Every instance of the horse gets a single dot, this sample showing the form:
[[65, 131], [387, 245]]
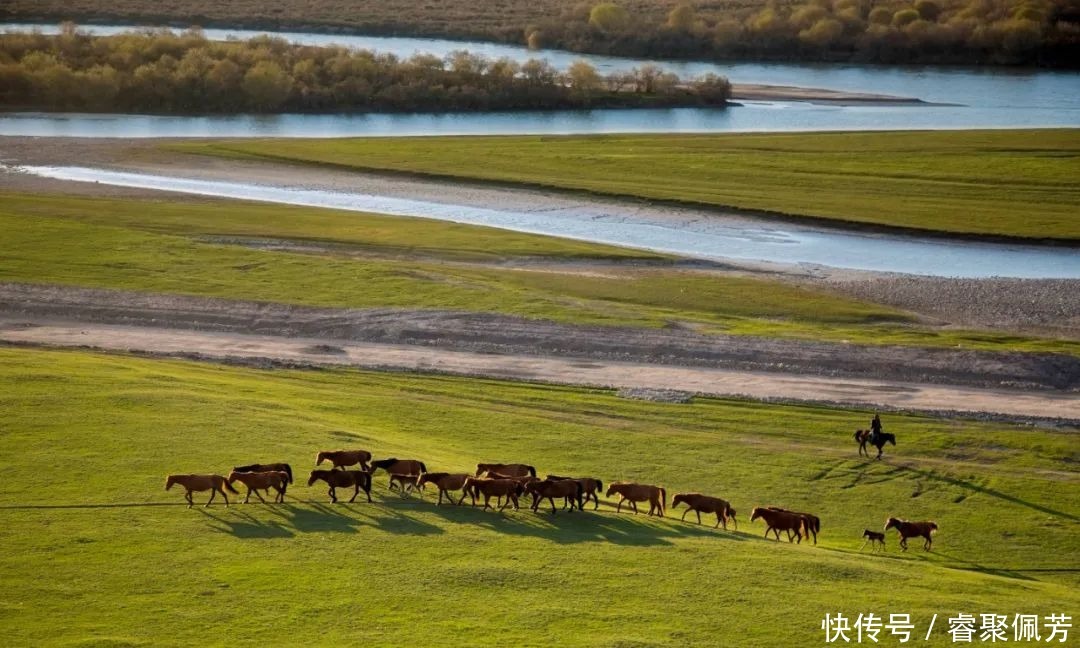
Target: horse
[[276, 479], [777, 521], [511, 470], [567, 489], [399, 466], [874, 538], [813, 522], [403, 480], [912, 530], [699, 504], [863, 437], [198, 483], [635, 493], [284, 467], [590, 487], [342, 458], [342, 479], [446, 482], [495, 488]]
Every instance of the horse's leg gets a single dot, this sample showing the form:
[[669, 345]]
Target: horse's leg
[[698, 516], [356, 491], [333, 495], [552, 500], [596, 500], [926, 545], [187, 496], [256, 495], [683, 518], [619, 507], [634, 504], [213, 492]]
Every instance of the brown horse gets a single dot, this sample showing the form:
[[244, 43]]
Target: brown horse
[[198, 483], [284, 467], [510, 470], [276, 479], [777, 521], [343, 479], [342, 458], [874, 538], [912, 530], [489, 488], [566, 489], [634, 493], [446, 482], [590, 487], [399, 466], [813, 522], [699, 504]]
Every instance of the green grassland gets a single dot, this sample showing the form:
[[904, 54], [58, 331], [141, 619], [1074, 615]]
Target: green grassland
[[96, 553], [1002, 183], [381, 261]]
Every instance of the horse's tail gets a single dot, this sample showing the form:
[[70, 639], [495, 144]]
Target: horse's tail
[[599, 486], [228, 485], [532, 471], [288, 471], [663, 500]]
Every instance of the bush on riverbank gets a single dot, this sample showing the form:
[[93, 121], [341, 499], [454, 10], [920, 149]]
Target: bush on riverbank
[[165, 72], [978, 31]]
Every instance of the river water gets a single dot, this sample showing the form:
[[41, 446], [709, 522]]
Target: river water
[[678, 231], [987, 98]]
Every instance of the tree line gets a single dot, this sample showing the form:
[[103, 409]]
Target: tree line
[[1043, 32], [184, 73]]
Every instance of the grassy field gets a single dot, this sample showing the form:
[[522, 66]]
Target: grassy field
[[101, 555], [379, 261], [1002, 183]]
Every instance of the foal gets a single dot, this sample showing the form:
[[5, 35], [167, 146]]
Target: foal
[[874, 538], [198, 483]]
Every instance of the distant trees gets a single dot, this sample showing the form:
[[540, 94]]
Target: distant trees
[[166, 72], [971, 31]]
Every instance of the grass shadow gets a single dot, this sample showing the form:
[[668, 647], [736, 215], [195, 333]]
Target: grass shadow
[[316, 517]]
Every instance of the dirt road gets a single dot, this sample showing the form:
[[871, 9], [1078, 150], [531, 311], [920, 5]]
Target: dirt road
[[258, 349]]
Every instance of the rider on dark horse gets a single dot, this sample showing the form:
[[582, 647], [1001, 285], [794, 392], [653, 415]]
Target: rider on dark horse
[[875, 428]]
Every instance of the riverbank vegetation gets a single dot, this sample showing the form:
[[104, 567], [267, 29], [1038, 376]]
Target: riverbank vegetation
[[326, 258], [184, 73], [1006, 500], [1002, 183], [1040, 32]]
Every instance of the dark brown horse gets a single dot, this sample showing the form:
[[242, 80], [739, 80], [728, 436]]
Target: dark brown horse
[[447, 482], [276, 479], [863, 437], [813, 522], [399, 467], [912, 530], [342, 458], [343, 479], [509, 488], [511, 470], [634, 493], [548, 489], [699, 504], [591, 487], [777, 521], [284, 467], [199, 483]]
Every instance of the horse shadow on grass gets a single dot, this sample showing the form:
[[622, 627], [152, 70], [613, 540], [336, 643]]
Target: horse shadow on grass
[[983, 490], [244, 525], [578, 527]]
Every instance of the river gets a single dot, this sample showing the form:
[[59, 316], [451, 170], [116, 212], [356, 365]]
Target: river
[[985, 98], [677, 231]]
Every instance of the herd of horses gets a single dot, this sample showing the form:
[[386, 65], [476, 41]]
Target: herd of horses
[[507, 484]]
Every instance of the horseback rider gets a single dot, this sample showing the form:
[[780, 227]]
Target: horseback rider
[[875, 429]]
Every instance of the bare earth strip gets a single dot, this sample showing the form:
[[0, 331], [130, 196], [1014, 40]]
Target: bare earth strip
[[720, 382]]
